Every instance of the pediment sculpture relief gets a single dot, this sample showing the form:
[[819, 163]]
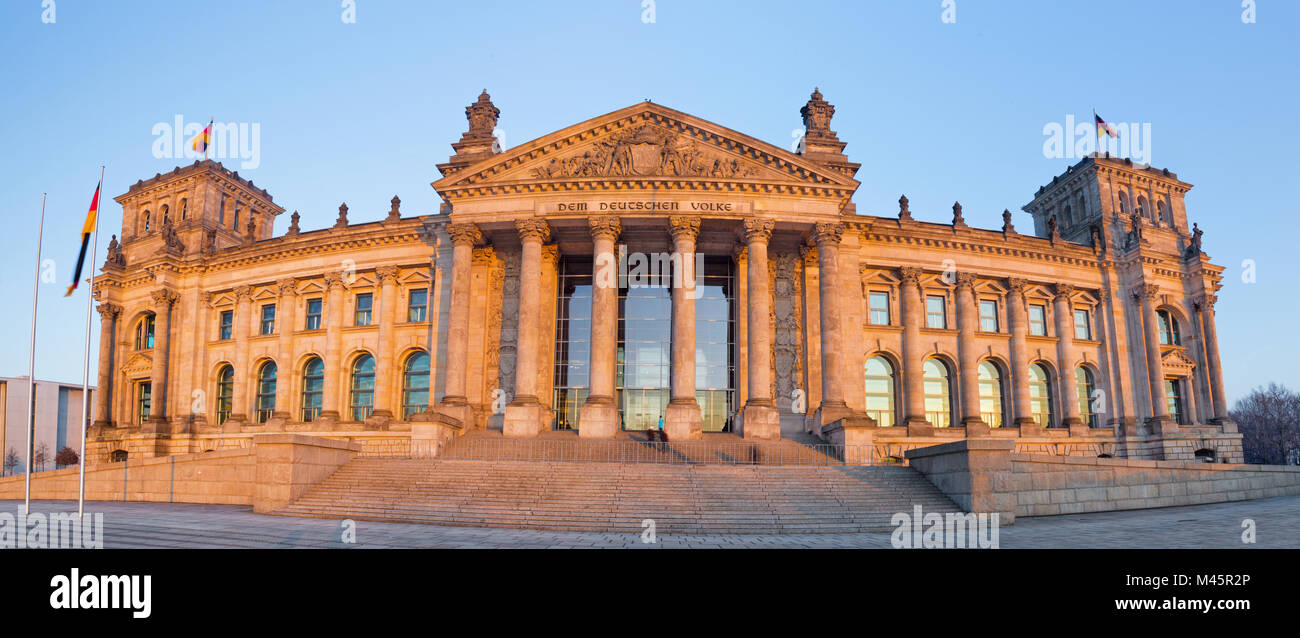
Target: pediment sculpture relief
[[644, 151]]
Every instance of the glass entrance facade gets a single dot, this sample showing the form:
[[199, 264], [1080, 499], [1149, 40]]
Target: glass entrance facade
[[643, 364]]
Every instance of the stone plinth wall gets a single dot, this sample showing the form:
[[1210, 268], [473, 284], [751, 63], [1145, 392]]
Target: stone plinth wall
[[1047, 485], [273, 470], [219, 477], [985, 475]]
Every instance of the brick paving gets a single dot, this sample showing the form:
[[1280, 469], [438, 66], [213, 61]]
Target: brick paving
[[161, 525]]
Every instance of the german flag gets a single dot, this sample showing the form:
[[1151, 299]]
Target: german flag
[[201, 141], [86, 230], [1103, 128]]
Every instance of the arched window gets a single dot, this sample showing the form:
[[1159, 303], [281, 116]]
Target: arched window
[[990, 386], [415, 385], [1168, 329], [166, 213], [363, 388], [880, 390], [185, 207], [144, 333], [1142, 208], [1162, 211], [118, 456], [1040, 395], [1085, 386], [313, 388], [147, 219], [1068, 215], [266, 391], [1123, 201], [225, 393], [938, 394]]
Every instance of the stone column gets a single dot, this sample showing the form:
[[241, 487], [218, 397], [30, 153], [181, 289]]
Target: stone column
[[331, 407], [1214, 368], [683, 420], [598, 416], [968, 356], [239, 405], [454, 407], [1018, 319], [913, 353], [386, 368], [285, 363], [162, 329], [760, 419], [1064, 311], [1146, 295], [109, 313], [833, 407], [524, 413]]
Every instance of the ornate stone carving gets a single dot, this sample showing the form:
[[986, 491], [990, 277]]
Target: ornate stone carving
[[394, 213], [1206, 301], [242, 292], [1007, 227], [787, 362], [1063, 291], [342, 221], [957, 219], [643, 151], [605, 227], [109, 311], [250, 234], [171, 241], [904, 213], [482, 116], [828, 234], [293, 224], [684, 227], [809, 255], [1194, 244], [909, 276], [1017, 286], [1051, 229], [1146, 291], [115, 258], [334, 279], [757, 229], [287, 286], [533, 229], [386, 274], [965, 280], [464, 234], [162, 299], [817, 114], [509, 329]]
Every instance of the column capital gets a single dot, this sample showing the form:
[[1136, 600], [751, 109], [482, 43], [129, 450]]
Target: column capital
[[335, 279], [550, 254], [1016, 285], [605, 227], [1063, 292], [758, 229], [464, 234], [910, 275], [287, 286], [681, 227], [965, 280], [242, 292], [386, 274], [826, 234], [1146, 291], [108, 310], [533, 229], [808, 254], [163, 298], [1206, 301]]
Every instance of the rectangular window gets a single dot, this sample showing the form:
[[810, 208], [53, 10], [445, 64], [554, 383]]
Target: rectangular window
[[144, 391], [1174, 397], [1038, 320], [313, 314], [1082, 324], [879, 308], [227, 324], [988, 315], [935, 317], [268, 319], [362, 317], [417, 306]]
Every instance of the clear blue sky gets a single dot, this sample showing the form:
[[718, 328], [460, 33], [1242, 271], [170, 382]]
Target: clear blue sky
[[942, 112]]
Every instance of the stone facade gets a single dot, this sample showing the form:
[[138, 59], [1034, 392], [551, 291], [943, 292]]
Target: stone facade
[[1112, 282]]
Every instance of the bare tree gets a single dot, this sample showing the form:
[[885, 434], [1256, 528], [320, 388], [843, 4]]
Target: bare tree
[[1269, 421], [41, 456], [66, 456], [11, 461]]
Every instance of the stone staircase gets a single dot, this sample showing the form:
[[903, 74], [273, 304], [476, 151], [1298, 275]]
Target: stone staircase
[[616, 497]]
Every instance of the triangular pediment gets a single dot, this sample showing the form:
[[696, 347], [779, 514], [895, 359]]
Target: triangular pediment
[[138, 364], [1176, 361], [645, 144]]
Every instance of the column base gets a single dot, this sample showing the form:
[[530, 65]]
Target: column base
[[1161, 425], [453, 410], [598, 418], [1029, 427], [828, 413], [1077, 426], [918, 426], [523, 417], [1228, 425], [379, 420], [760, 420], [975, 426], [683, 420]]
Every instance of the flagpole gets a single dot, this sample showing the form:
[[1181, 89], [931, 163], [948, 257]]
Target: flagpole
[[85, 372], [31, 367]]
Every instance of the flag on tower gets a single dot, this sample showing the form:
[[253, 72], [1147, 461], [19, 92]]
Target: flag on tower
[[1102, 127], [203, 140], [86, 230]]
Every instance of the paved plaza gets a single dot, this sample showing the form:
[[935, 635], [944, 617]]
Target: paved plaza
[[162, 525]]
